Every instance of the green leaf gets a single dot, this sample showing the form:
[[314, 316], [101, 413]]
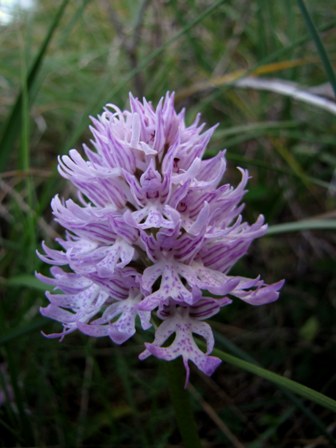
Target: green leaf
[[300, 226], [279, 380], [27, 281]]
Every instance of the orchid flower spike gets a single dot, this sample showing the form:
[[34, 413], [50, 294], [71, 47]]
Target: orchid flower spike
[[152, 237]]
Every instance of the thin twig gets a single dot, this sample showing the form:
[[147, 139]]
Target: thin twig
[[216, 419]]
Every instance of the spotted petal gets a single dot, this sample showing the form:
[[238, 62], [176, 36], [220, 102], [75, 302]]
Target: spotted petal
[[184, 345]]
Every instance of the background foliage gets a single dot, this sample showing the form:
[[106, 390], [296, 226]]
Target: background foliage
[[61, 62]]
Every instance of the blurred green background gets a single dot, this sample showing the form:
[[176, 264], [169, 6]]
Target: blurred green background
[[265, 73]]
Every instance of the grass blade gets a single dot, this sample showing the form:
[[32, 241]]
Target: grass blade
[[234, 76], [27, 281], [299, 389], [318, 43], [25, 155], [13, 124], [300, 226]]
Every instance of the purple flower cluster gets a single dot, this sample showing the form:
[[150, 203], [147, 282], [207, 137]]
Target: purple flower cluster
[[153, 236]]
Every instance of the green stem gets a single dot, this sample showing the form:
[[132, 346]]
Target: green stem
[[279, 380], [181, 402]]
